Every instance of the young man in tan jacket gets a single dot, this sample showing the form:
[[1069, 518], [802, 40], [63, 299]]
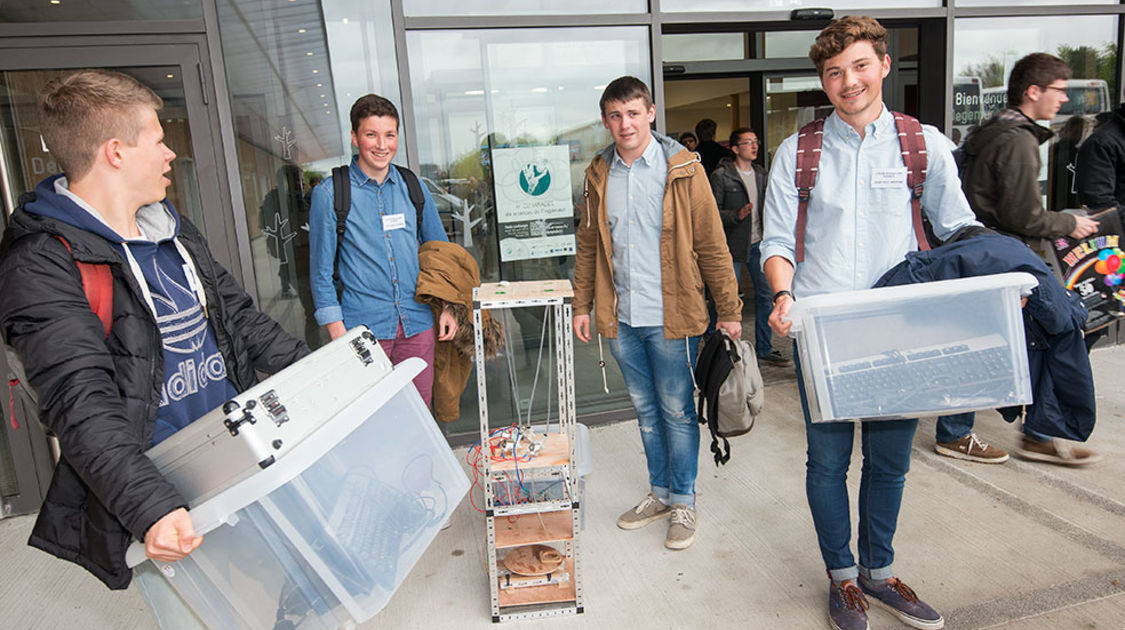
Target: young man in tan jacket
[[650, 236]]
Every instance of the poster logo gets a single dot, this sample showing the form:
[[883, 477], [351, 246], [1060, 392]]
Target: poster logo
[[535, 178]]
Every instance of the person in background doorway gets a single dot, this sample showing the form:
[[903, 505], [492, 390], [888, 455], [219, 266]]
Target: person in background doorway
[[739, 186], [710, 152], [643, 281], [689, 140], [1100, 169]]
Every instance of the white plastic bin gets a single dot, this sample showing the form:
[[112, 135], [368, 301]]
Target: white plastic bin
[[923, 349], [325, 535]]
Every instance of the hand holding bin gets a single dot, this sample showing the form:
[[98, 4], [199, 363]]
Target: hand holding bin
[[324, 535], [926, 349]]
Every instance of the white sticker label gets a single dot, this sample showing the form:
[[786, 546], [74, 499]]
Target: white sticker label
[[398, 221], [888, 177]]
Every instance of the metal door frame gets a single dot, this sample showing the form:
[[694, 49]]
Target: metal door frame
[[189, 53]]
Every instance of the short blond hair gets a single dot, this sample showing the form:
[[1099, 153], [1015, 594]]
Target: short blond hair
[[845, 31], [80, 111]]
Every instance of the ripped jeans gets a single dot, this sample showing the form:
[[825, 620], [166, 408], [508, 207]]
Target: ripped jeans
[[658, 375]]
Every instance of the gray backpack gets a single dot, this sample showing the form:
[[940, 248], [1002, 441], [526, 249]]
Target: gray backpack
[[730, 387]]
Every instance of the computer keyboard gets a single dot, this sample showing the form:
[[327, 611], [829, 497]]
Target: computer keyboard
[[372, 521], [929, 379]]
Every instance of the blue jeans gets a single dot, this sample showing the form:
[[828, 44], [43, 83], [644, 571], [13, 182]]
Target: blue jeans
[[763, 301], [886, 459], [658, 375], [957, 426]]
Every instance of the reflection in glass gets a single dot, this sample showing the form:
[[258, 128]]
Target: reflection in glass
[[421, 8], [842, 7], [479, 91], [985, 51], [291, 100], [101, 11], [704, 46], [29, 162]]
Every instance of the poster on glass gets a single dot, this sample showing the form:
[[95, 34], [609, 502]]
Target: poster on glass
[[534, 209]]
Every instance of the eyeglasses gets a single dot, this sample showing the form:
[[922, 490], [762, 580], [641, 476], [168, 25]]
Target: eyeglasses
[[1060, 90], [746, 143]]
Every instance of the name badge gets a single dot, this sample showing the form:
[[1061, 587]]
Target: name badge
[[396, 221], [888, 177]]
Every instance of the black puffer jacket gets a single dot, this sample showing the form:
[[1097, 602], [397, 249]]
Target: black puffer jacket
[[100, 396], [1100, 171], [1002, 181]]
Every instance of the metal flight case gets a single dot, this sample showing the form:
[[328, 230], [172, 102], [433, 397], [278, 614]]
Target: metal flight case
[[253, 430]]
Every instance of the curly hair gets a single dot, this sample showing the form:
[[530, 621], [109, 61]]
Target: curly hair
[[845, 31]]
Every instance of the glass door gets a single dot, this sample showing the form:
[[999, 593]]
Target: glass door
[[173, 72]]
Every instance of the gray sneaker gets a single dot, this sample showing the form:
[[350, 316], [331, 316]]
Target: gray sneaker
[[650, 509], [681, 531]]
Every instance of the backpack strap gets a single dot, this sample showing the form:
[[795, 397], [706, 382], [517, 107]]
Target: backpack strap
[[97, 282], [342, 193], [711, 371], [912, 142], [414, 188], [809, 141]]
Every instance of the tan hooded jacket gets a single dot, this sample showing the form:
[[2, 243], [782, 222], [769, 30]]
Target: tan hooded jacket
[[693, 249]]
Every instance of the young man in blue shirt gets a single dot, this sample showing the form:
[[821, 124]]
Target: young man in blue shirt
[[378, 264], [859, 226]]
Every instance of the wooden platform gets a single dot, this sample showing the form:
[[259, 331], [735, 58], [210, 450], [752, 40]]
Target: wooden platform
[[530, 529], [546, 594], [556, 452], [531, 290]]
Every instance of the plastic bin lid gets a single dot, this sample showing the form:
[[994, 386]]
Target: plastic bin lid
[[800, 309], [212, 513]]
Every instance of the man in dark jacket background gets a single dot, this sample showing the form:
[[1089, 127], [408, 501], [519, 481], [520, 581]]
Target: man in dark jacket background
[[1100, 170], [183, 336], [710, 152], [739, 186], [1002, 186]]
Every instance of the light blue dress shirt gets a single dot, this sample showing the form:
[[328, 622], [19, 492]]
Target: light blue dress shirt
[[856, 231], [635, 204], [378, 269]]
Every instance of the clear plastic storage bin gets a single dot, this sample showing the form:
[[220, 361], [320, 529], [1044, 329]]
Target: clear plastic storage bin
[[908, 351], [323, 537]]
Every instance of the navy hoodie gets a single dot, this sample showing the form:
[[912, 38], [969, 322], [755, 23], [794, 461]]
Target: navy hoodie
[[195, 374]]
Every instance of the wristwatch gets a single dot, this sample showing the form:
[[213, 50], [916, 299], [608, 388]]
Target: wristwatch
[[777, 296]]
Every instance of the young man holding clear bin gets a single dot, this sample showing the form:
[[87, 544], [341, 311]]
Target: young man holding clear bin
[[859, 225]]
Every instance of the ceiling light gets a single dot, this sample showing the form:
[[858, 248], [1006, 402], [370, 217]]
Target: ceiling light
[[319, 85], [302, 30], [324, 104], [327, 111], [308, 54], [322, 96], [315, 71], [539, 90], [56, 1], [345, 20], [474, 92], [599, 87], [169, 76]]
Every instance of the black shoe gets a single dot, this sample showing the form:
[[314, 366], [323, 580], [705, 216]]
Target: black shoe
[[774, 358]]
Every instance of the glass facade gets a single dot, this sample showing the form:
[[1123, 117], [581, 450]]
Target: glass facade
[[475, 97]]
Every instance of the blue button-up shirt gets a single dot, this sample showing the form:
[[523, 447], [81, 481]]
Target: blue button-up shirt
[[856, 232], [635, 203], [378, 269]]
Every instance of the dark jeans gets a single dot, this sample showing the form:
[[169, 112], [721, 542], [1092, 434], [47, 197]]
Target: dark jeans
[[886, 448]]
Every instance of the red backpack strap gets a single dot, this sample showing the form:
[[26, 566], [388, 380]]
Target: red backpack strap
[[809, 140], [913, 145], [97, 282]]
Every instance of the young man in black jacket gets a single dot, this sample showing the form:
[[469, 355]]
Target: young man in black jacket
[[1100, 170], [183, 336]]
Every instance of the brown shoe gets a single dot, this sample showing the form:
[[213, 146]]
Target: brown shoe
[[1056, 451], [973, 449]]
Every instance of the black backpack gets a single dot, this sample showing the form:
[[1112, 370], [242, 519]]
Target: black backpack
[[731, 392], [342, 186]]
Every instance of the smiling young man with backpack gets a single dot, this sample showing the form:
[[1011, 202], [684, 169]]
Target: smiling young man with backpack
[[857, 216], [364, 245]]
